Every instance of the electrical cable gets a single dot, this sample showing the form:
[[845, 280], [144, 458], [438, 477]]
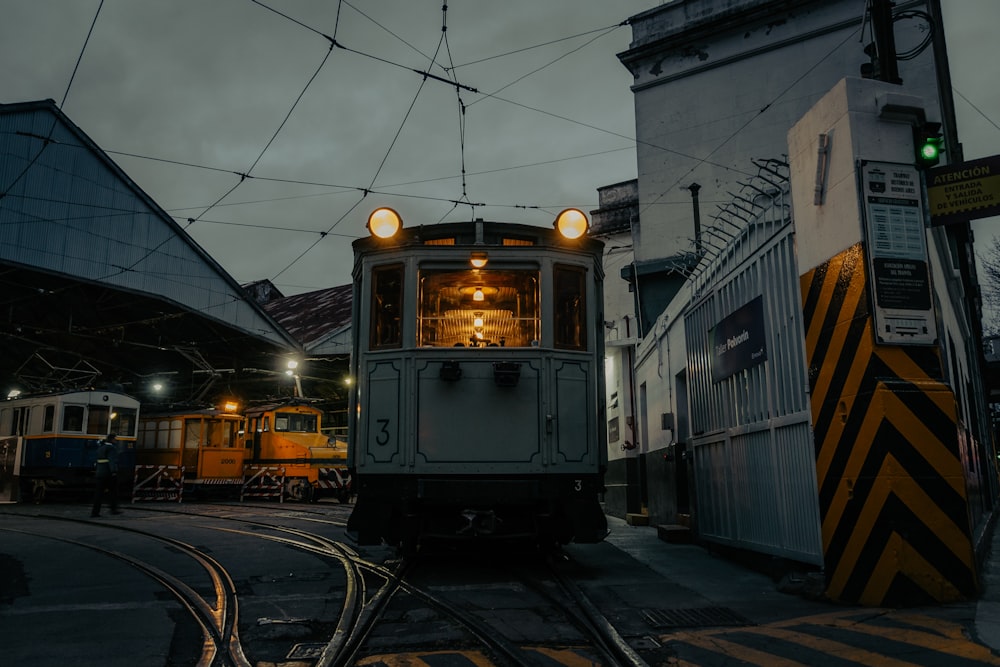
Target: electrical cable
[[978, 110], [537, 46], [757, 115], [79, 58], [912, 53]]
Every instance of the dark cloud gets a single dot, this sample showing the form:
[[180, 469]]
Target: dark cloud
[[209, 83]]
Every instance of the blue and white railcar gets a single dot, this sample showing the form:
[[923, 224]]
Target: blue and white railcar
[[478, 402], [54, 437]]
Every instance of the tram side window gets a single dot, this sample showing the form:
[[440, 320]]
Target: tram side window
[[49, 418], [570, 287], [98, 418], [219, 433], [124, 421], [192, 433], [147, 435], [387, 307], [21, 420], [72, 418]]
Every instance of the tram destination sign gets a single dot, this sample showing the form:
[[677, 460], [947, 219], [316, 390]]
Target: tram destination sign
[[965, 191]]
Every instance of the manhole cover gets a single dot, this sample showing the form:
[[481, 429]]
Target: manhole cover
[[701, 617]]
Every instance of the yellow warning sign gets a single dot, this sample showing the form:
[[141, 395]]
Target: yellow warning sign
[[965, 191]]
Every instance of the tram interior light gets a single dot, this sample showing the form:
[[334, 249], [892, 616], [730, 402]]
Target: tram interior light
[[384, 222], [572, 223]]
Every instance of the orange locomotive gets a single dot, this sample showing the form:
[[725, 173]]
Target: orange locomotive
[[221, 447], [289, 435]]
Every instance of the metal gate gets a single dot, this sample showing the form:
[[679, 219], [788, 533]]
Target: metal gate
[[752, 446]]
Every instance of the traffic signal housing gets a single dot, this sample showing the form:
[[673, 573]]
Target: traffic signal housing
[[927, 144]]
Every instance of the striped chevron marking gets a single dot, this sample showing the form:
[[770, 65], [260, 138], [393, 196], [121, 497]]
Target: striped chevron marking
[[862, 637], [891, 486]]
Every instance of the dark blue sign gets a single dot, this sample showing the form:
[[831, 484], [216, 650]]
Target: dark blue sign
[[738, 341]]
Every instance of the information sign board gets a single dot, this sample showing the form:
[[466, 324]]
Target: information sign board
[[738, 341], [964, 191], [899, 276]]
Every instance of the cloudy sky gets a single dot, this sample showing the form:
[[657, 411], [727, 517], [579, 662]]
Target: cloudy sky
[[525, 97]]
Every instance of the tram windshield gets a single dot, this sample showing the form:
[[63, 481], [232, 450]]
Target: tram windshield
[[296, 422], [478, 308]]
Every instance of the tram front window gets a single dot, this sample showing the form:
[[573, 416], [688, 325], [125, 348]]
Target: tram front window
[[294, 422], [478, 308]]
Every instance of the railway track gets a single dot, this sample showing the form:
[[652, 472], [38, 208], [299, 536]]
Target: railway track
[[217, 618], [376, 595]]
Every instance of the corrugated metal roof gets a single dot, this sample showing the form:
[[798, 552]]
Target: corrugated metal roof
[[313, 316], [69, 209], [99, 284]]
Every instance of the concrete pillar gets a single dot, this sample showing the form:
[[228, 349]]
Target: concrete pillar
[[892, 496]]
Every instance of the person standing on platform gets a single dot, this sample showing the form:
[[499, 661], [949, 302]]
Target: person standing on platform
[[106, 475]]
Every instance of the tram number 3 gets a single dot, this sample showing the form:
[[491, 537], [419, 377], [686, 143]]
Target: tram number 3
[[382, 436], [578, 485]]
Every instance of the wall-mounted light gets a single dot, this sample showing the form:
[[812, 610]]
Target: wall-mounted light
[[478, 294]]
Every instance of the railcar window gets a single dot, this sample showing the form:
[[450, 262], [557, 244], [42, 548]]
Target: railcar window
[[192, 434], [478, 308], [98, 417], [387, 307], [220, 433], [49, 418], [570, 288], [147, 435], [295, 422], [21, 420], [124, 421], [72, 418]]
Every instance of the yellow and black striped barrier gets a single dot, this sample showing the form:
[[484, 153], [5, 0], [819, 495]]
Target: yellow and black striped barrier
[[892, 493]]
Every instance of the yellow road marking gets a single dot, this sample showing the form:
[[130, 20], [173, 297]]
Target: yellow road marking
[[716, 644]]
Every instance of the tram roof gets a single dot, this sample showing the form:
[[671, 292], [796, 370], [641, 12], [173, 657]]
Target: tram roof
[[97, 280]]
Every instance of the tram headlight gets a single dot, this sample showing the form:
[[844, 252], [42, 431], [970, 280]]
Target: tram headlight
[[384, 222], [572, 223]]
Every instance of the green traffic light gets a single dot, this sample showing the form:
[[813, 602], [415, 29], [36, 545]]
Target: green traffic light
[[930, 151]]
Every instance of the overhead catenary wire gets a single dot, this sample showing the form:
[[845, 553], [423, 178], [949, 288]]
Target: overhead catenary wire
[[48, 138]]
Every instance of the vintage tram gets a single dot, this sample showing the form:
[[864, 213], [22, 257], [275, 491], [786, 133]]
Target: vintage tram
[[51, 439], [202, 444], [219, 449], [478, 401]]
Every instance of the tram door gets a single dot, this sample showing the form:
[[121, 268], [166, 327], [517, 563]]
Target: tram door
[[257, 427]]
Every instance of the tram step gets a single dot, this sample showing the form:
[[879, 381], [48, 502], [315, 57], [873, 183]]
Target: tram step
[[674, 533]]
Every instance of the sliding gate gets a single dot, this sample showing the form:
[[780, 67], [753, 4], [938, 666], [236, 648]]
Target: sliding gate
[[753, 454]]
